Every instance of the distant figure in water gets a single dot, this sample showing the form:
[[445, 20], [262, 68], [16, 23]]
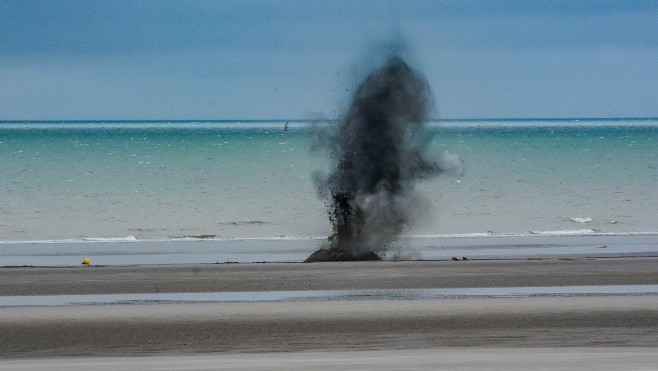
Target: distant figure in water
[[285, 127]]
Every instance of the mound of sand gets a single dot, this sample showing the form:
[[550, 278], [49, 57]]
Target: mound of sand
[[339, 255]]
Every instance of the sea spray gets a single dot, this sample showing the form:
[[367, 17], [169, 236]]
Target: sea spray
[[377, 157]]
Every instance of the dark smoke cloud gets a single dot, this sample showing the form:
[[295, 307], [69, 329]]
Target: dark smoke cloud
[[377, 156]]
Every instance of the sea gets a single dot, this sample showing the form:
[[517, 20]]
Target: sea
[[138, 190]]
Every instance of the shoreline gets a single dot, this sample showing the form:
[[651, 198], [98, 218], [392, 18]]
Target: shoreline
[[210, 251]]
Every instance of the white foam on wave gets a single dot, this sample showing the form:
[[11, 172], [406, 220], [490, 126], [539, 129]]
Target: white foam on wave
[[110, 239], [581, 220], [564, 232], [32, 242], [73, 240]]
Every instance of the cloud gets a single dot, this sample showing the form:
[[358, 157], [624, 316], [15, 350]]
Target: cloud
[[160, 59]]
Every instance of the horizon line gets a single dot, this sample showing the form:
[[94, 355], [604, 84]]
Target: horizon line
[[307, 120]]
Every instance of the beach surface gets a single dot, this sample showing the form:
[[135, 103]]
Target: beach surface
[[452, 358], [466, 332], [327, 276]]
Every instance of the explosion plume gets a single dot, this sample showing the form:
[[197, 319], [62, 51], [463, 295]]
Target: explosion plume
[[369, 193]]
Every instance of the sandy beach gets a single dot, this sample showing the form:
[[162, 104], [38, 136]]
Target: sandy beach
[[448, 358], [319, 328], [327, 276]]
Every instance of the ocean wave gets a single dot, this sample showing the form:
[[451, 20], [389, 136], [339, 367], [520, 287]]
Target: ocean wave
[[110, 239], [133, 239], [246, 222], [564, 232], [73, 240], [567, 232], [581, 220]]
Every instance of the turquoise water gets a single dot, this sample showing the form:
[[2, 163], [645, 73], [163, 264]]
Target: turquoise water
[[164, 180]]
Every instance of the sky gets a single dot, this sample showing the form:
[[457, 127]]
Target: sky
[[247, 59]]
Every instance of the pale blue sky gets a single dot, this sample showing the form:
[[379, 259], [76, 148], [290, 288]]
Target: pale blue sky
[[295, 59]]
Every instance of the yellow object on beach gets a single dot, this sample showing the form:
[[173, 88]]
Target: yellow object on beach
[[85, 261]]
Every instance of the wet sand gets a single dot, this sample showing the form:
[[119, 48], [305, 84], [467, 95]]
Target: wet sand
[[327, 276], [334, 325], [328, 326], [452, 358]]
